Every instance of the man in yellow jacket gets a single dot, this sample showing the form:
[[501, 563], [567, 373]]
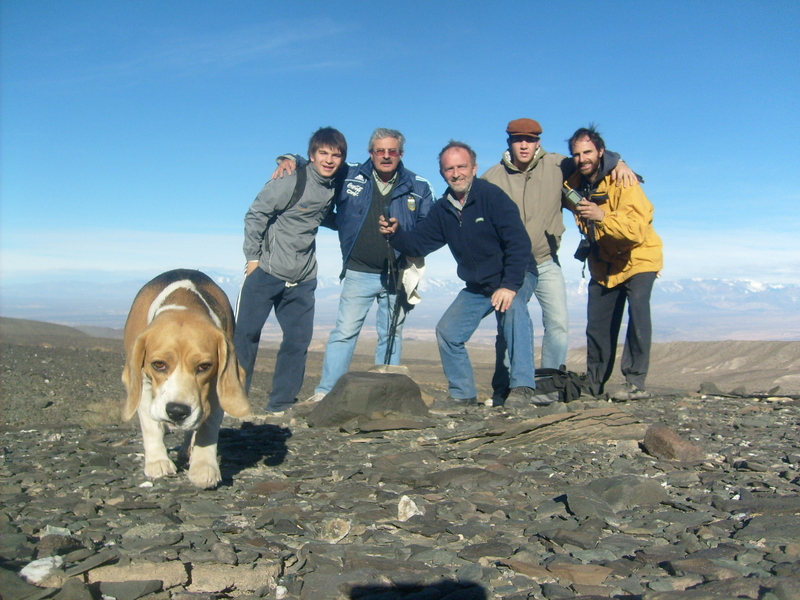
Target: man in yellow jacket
[[625, 256]]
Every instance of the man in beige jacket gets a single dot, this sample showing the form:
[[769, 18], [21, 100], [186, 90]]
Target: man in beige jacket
[[533, 178]]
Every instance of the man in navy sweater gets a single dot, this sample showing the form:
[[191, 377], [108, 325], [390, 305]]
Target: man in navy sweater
[[482, 227]]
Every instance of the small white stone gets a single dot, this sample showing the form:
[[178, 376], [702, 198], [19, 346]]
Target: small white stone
[[50, 530], [407, 508], [39, 569]]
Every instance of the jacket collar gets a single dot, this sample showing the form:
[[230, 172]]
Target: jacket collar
[[314, 175], [448, 198], [508, 163]]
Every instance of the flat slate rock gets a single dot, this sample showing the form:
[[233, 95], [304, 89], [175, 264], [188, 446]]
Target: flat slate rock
[[363, 393]]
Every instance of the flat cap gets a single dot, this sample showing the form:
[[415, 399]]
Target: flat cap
[[524, 127]]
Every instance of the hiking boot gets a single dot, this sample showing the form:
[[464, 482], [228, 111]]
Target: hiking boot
[[462, 401], [520, 397], [630, 391], [450, 401]]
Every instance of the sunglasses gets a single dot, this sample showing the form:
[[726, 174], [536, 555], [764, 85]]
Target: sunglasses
[[381, 151], [531, 139]]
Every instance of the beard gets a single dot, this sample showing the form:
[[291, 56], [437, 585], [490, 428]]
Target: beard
[[589, 169], [462, 185]]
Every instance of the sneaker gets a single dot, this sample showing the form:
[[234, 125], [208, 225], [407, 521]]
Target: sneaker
[[317, 397], [520, 397], [270, 414], [630, 392]]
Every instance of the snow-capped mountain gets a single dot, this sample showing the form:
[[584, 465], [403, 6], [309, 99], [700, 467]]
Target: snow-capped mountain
[[685, 309]]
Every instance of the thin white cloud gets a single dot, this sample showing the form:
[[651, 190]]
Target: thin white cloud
[[275, 43], [273, 47]]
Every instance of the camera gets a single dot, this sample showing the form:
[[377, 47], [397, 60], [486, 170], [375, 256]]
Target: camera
[[583, 250]]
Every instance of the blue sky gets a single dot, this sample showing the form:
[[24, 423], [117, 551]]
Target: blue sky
[[136, 134]]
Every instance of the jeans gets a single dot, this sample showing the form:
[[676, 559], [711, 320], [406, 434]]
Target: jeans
[[605, 309], [359, 291], [294, 309], [458, 324], [551, 292]]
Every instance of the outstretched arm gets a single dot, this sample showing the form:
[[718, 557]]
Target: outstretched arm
[[426, 237], [286, 167], [623, 175], [287, 163]]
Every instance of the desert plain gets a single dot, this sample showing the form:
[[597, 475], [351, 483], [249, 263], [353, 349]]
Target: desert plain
[[691, 494]]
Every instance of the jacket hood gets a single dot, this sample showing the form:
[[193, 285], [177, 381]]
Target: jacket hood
[[607, 163]]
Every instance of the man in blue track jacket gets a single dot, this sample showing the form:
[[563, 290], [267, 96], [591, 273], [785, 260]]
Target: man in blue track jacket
[[371, 268]]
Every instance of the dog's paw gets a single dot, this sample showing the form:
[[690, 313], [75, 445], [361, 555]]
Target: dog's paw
[[205, 475], [159, 468]]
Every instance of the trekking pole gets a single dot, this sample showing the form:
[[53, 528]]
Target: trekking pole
[[394, 280], [398, 300]]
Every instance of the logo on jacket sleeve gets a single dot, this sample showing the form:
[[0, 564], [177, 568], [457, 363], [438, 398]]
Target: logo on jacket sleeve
[[411, 203]]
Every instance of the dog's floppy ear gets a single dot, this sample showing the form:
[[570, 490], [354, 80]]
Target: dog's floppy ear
[[230, 381], [132, 377]]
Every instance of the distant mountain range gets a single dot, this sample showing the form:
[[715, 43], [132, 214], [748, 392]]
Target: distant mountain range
[[683, 310]]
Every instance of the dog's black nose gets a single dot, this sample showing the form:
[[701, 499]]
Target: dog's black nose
[[177, 412]]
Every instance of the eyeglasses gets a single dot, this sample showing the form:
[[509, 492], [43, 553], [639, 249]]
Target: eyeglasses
[[381, 151]]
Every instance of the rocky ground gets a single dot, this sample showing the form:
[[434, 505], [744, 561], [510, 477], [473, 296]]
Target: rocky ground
[[683, 496]]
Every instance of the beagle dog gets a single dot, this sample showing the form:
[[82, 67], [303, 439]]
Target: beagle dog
[[181, 371]]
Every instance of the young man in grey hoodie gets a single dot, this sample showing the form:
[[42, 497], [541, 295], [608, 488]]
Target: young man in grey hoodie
[[280, 229]]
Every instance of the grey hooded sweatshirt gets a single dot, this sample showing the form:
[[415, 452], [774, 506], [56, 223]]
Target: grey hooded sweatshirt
[[284, 241]]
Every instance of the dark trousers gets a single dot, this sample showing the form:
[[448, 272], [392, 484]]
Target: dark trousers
[[294, 309], [604, 319]]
